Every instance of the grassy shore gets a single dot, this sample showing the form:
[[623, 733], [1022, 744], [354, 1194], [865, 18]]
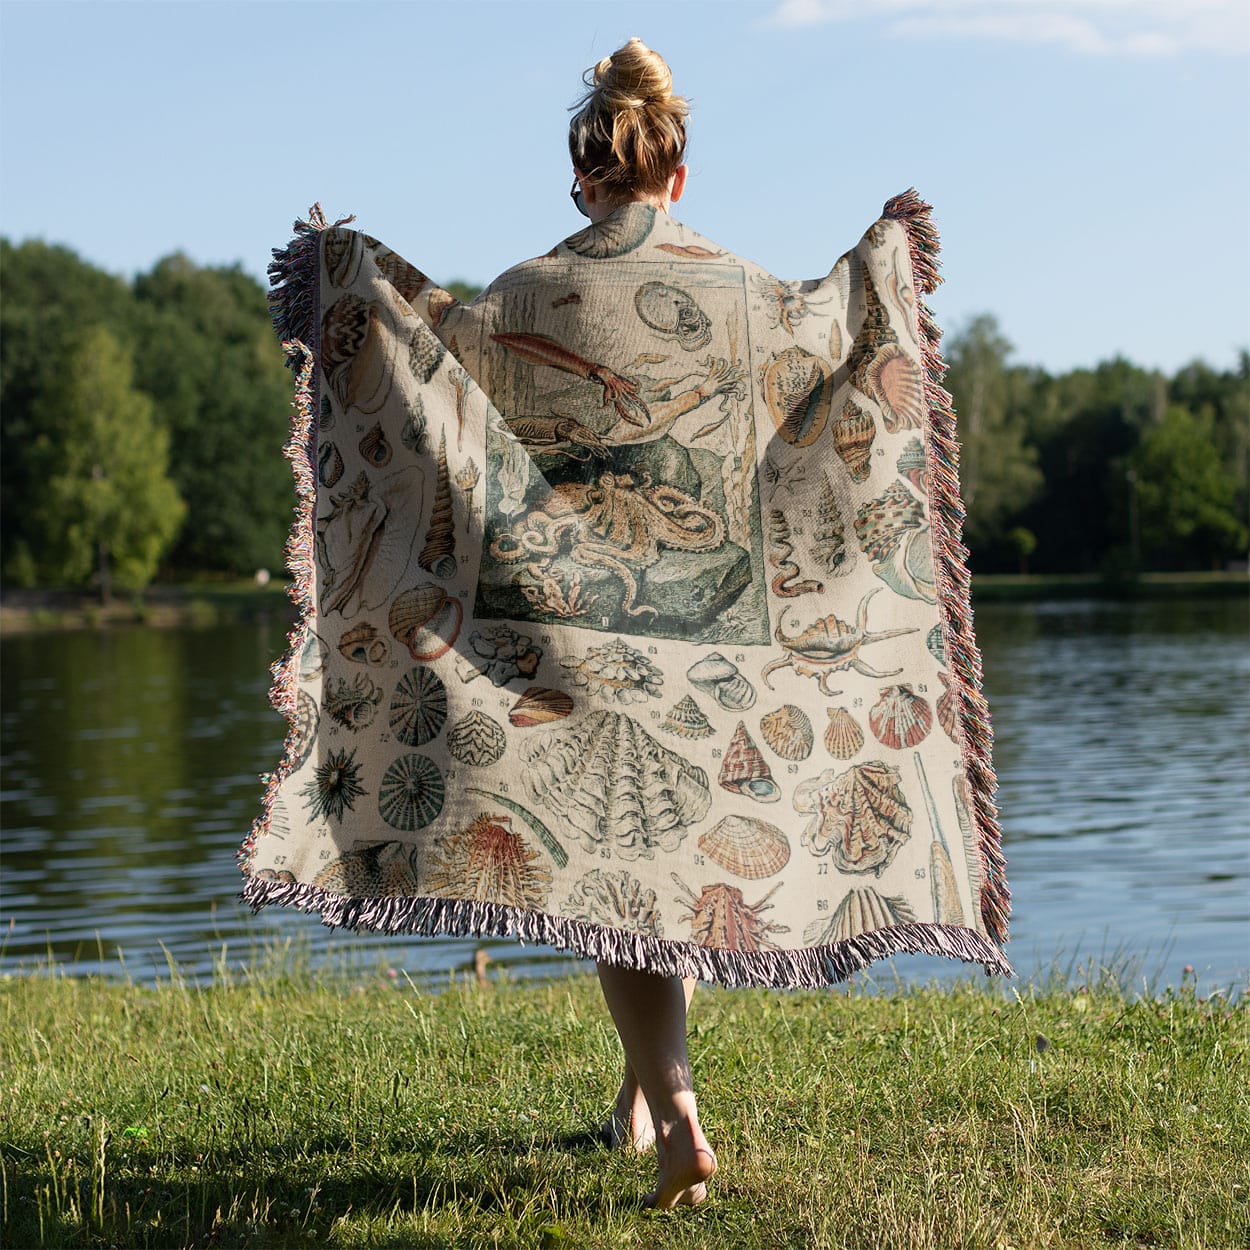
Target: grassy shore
[[293, 1110]]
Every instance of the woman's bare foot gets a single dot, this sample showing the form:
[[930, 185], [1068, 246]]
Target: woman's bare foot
[[686, 1164], [629, 1126]]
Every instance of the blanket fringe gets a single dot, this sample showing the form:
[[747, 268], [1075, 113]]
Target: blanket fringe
[[951, 564]]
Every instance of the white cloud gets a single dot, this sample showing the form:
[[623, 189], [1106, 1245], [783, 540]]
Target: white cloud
[[1136, 28]]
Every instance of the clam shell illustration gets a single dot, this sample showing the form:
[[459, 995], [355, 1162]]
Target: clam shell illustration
[[720, 917], [798, 389], [412, 792], [374, 450], [329, 464], [489, 862], [746, 847], [617, 900], [303, 732], [477, 740], [426, 619], [362, 644], [860, 911], [893, 379], [723, 682], [370, 870], [843, 735], [744, 770], [539, 706], [686, 719], [900, 717], [353, 703], [619, 789], [853, 434], [894, 534], [617, 671], [788, 731], [861, 816], [418, 707]]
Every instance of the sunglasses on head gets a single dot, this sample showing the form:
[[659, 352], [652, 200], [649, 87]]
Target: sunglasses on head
[[576, 196]]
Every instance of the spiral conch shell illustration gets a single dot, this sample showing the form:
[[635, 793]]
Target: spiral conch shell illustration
[[894, 534], [861, 815], [798, 389]]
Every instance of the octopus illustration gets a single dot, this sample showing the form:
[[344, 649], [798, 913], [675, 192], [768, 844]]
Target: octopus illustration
[[619, 523]]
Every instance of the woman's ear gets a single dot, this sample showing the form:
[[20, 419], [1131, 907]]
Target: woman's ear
[[678, 185]]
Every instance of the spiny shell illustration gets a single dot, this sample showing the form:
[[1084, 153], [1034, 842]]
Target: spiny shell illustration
[[860, 911], [438, 556], [744, 770], [746, 847], [893, 379], [539, 706], [798, 389], [617, 900], [853, 434], [620, 233], [894, 535], [948, 713], [861, 816], [370, 870], [933, 640], [843, 736], [335, 785], [912, 465], [671, 312], [721, 917], [329, 464], [352, 704], [418, 707], [412, 792], [426, 619], [788, 731], [723, 682], [685, 719], [900, 718], [489, 862], [362, 644], [617, 671], [304, 731], [615, 785], [477, 740], [374, 449]]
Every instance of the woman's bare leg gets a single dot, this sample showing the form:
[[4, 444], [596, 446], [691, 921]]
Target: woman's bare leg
[[650, 1015]]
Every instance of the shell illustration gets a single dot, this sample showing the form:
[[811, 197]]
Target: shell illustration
[[912, 465], [893, 379], [933, 640], [370, 870], [539, 706], [425, 353], [407, 280], [623, 792], [972, 851], [344, 250], [312, 657], [467, 476], [721, 917], [620, 233], [784, 585], [426, 619], [438, 556], [352, 703], [853, 433], [944, 889], [374, 449], [860, 911], [829, 549], [894, 534], [745, 771], [671, 312], [329, 464], [477, 740], [685, 719], [900, 718], [947, 711], [489, 863], [617, 900], [367, 382], [335, 786], [798, 389], [362, 644], [723, 682], [860, 815], [843, 736], [418, 707], [873, 334], [501, 654], [788, 731], [343, 329], [304, 732], [412, 435], [746, 847], [325, 419], [616, 671], [412, 792]]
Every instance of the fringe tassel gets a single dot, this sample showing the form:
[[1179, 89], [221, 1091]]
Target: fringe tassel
[[951, 564], [810, 968]]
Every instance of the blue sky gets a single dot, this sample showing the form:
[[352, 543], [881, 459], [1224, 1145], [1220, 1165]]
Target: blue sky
[[1088, 160]]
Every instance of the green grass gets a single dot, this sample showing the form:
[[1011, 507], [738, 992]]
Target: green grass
[[296, 1110]]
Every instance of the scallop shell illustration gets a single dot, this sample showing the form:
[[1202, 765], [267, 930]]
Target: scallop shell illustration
[[893, 379], [744, 770], [304, 731], [843, 736], [418, 707], [362, 644], [720, 917], [746, 847], [723, 682], [798, 389], [329, 464], [900, 718], [370, 870], [489, 862], [425, 353], [685, 719], [860, 815], [619, 789], [374, 449], [477, 740], [947, 712], [788, 731], [438, 556], [853, 433], [671, 312], [933, 640], [539, 706], [894, 534], [343, 251], [352, 704], [617, 671], [860, 911], [615, 899], [912, 465], [426, 619], [412, 792], [617, 235], [412, 435]]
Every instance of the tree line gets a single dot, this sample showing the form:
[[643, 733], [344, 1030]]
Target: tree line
[[142, 423]]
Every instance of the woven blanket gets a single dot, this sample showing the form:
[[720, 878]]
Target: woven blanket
[[634, 615]]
